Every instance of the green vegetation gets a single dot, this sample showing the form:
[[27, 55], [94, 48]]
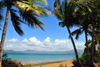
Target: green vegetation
[[96, 57], [8, 62]]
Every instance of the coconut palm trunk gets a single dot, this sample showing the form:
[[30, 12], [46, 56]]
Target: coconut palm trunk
[[3, 35], [87, 50], [76, 53], [92, 46]]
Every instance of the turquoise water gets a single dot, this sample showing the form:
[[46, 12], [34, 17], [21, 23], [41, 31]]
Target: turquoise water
[[26, 58]]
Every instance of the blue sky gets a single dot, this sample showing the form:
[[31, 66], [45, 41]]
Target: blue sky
[[54, 38]]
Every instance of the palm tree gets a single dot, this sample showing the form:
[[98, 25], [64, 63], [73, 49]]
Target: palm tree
[[94, 6], [94, 20], [78, 32], [65, 13], [83, 11], [27, 10]]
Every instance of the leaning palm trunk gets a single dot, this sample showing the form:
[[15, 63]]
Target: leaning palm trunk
[[76, 53], [3, 35], [92, 45], [87, 50]]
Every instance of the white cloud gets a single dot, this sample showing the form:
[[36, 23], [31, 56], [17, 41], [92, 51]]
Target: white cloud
[[47, 45]]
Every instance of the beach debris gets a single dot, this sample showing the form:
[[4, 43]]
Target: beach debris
[[65, 65], [61, 65]]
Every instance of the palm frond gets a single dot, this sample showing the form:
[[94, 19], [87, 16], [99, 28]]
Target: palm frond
[[27, 5], [30, 18], [77, 33], [59, 9], [42, 1], [1, 17], [41, 9], [61, 24], [90, 33], [56, 4], [58, 14], [16, 22], [1, 10], [32, 1], [66, 13]]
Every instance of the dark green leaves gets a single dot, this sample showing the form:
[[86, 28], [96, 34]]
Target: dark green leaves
[[1, 10], [16, 22], [77, 33], [30, 19], [57, 4], [58, 14], [61, 24]]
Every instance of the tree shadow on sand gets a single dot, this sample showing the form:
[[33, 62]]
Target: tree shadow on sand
[[61, 65]]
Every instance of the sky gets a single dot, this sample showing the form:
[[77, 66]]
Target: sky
[[54, 38]]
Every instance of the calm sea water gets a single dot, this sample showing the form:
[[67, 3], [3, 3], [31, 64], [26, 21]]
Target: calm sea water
[[26, 58]]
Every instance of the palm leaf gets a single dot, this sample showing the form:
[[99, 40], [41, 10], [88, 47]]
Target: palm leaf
[[26, 5], [58, 14], [42, 1], [1, 10], [32, 1], [61, 24], [16, 22], [77, 33], [31, 20], [56, 4]]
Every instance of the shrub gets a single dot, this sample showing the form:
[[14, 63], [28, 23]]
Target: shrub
[[7, 62], [96, 58], [5, 59]]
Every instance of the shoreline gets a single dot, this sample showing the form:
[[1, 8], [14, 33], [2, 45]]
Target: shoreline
[[52, 61], [42, 63], [67, 63]]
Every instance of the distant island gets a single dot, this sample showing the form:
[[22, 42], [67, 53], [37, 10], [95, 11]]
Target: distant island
[[12, 51], [44, 52]]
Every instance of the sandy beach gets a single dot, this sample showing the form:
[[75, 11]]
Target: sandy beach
[[63, 63]]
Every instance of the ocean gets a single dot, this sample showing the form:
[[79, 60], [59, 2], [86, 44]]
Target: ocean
[[27, 58]]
